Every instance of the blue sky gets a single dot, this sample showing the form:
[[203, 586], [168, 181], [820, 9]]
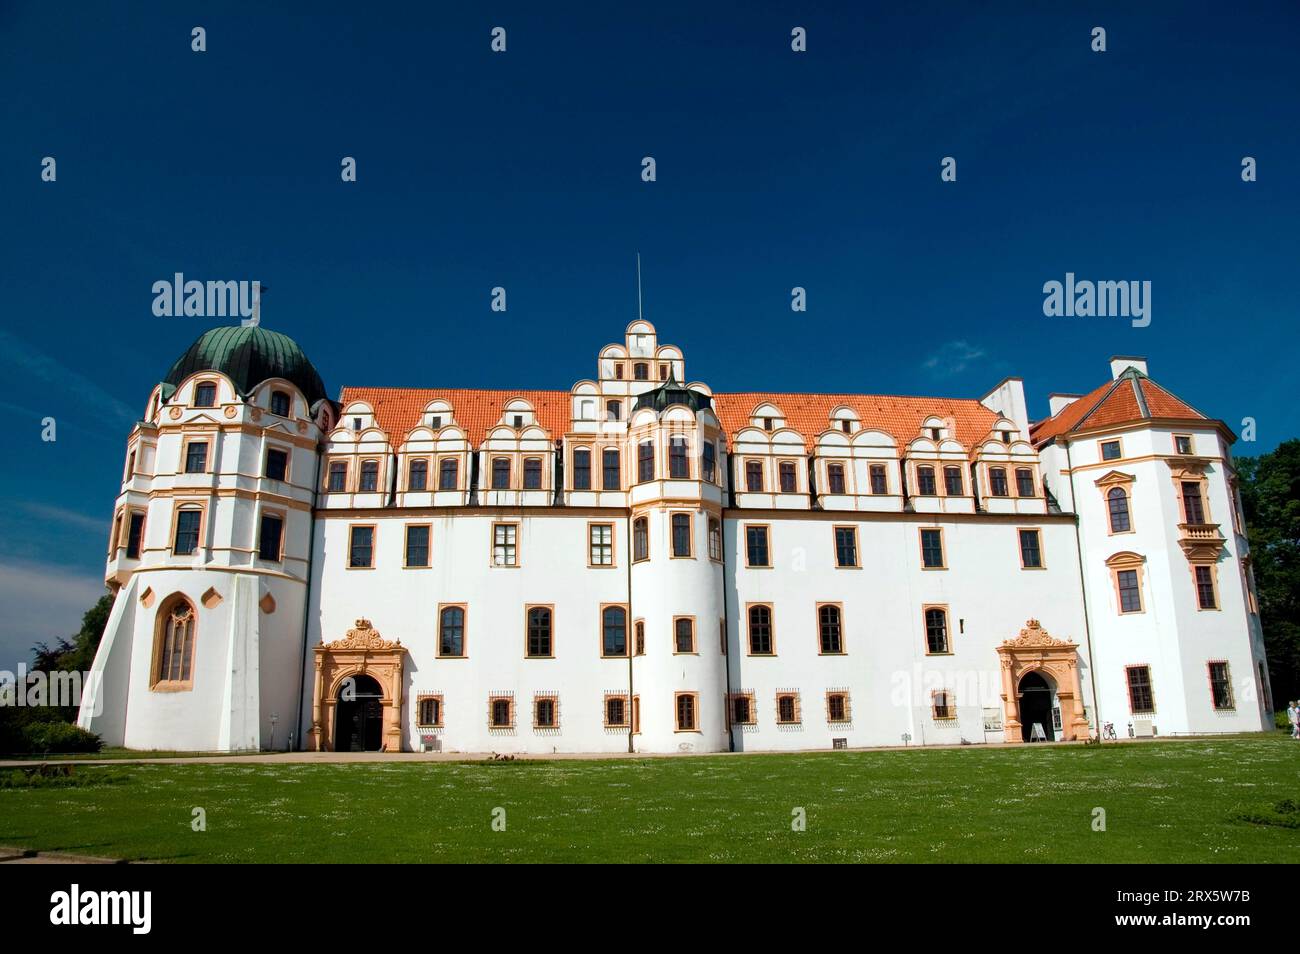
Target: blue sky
[[522, 170]]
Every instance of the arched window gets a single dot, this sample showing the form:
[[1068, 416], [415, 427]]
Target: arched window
[[936, 630], [613, 631], [582, 469], [451, 631], [280, 403], [500, 473], [830, 630], [539, 631], [998, 481], [533, 473], [1117, 505], [1024, 482], [175, 641], [684, 634], [205, 395], [369, 475], [925, 485]]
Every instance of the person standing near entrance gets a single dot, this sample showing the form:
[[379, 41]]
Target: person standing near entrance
[[1293, 715]]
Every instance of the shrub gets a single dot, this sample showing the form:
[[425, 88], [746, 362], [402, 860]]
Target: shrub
[[60, 737]]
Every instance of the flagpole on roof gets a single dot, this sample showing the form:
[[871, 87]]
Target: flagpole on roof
[[638, 286]]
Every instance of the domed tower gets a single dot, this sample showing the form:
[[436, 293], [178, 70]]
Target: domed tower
[[209, 551], [675, 499]]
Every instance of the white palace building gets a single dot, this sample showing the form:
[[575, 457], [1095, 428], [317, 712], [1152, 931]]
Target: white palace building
[[641, 564]]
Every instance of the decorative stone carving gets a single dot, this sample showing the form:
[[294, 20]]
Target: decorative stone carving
[[1035, 650], [363, 636], [361, 651]]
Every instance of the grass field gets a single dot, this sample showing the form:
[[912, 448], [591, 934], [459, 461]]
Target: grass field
[[1185, 801]]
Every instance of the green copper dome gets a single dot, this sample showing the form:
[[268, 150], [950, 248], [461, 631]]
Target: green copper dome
[[248, 356], [670, 393]]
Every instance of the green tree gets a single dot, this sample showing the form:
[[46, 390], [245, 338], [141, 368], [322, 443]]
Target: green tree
[[77, 653], [1270, 493]]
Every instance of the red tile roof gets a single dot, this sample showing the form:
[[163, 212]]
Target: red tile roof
[[398, 410], [899, 416], [1129, 398]]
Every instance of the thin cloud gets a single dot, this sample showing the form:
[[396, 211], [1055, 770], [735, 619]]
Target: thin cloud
[[953, 358], [36, 363], [43, 604], [61, 515]]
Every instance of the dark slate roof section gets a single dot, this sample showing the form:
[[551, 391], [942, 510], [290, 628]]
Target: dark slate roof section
[[248, 356], [670, 393]]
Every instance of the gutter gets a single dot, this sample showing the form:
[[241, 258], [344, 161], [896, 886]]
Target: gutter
[[306, 607], [1083, 586]]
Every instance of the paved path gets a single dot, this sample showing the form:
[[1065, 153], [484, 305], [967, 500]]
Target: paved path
[[25, 856]]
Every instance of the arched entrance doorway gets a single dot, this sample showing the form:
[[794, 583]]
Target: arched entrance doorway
[[357, 697], [1035, 706], [359, 718]]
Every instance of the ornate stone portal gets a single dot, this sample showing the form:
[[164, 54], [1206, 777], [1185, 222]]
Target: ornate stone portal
[[1034, 650], [361, 652]]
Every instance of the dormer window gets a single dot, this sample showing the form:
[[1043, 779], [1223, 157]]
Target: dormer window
[[356, 423], [663, 372], [1006, 437], [279, 404], [519, 421], [768, 423], [436, 421], [846, 427], [613, 410], [618, 371], [936, 433], [641, 371], [205, 395]]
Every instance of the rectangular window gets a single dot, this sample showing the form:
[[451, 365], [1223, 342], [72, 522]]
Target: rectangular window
[[1193, 507], [678, 465], [616, 712], [683, 634], [1024, 482], [932, 549], [786, 472], [1110, 450], [943, 704], [787, 708], [447, 473], [641, 539], [134, 536], [645, 462], [1221, 686], [544, 712], [369, 475], [205, 395], [681, 524], [537, 620], [639, 629], [1140, 697], [1183, 445], [754, 476], [500, 473], [760, 629], [417, 474], [187, 532], [925, 485], [1206, 598], [835, 478], [361, 547], [504, 544], [707, 461], [429, 712], [277, 464], [715, 539], [846, 546], [269, 536], [1130, 593], [501, 712], [998, 481], [756, 546], [417, 545], [196, 457], [338, 480], [879, 483], [952, 484], [685, 706], [600, 541], [533, 473], [742, 709], [1031, 550], [837, 707], [610, 477], [582, 469]]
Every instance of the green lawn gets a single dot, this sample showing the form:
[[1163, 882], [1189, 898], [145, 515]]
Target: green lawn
[[1164, 801]]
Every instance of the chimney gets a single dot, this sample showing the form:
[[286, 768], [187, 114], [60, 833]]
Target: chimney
[[1008, 399], [1059, 402], [1121, 363]]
